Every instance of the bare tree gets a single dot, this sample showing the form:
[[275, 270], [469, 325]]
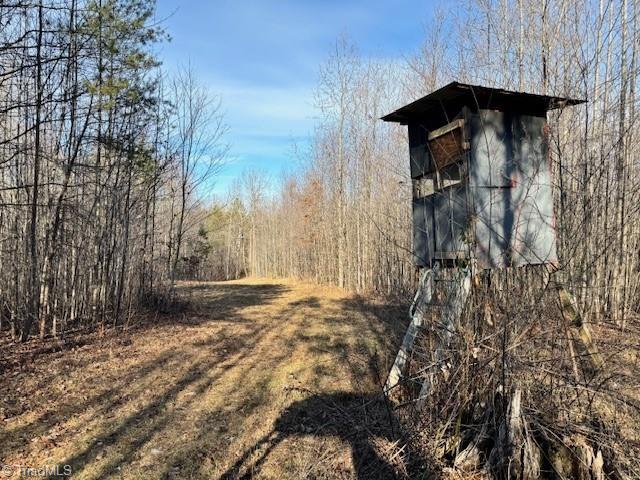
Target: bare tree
[[198, 151]]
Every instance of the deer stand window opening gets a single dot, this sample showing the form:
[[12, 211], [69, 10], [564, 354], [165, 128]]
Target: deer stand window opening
[[447, 147], [440, 189]]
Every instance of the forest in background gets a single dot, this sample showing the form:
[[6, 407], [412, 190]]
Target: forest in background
[[104, 159], [344, 217]]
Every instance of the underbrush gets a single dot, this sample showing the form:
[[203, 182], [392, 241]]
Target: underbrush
[[517, 393]]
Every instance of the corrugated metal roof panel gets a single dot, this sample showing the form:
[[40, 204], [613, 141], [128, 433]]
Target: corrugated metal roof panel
[[478, 97]]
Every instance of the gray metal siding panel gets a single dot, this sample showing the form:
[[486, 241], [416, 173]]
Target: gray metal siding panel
[[419, 157], [491, 140], [492, 227], [534, 239], [510, 184], [423, 233], [451, 221]]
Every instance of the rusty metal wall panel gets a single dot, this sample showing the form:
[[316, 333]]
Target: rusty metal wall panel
[[510, 184]]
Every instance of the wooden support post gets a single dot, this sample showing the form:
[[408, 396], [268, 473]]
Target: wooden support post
[[456, 300], [417, 310], [573, 318]]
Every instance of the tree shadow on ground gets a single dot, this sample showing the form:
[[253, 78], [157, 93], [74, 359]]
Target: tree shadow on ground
[[139, 427], [240, 364], [311, 302], [223, 300], [227, 300], [361, 420], [105, 401], [221, 354], [389, 318]]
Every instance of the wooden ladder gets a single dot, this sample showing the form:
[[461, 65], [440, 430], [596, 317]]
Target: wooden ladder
[[456, 292]]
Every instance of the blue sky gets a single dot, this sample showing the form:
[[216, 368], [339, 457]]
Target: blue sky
[[263, 58]]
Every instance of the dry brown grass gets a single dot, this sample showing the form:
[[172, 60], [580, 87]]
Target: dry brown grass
[[256, 379]]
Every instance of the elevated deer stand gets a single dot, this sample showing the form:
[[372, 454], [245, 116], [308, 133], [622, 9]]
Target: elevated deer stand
[[482, 200]]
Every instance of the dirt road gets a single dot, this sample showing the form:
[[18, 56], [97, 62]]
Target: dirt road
[[256, 379]]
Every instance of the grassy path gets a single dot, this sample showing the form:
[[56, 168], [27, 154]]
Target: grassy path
[[257, 379]]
